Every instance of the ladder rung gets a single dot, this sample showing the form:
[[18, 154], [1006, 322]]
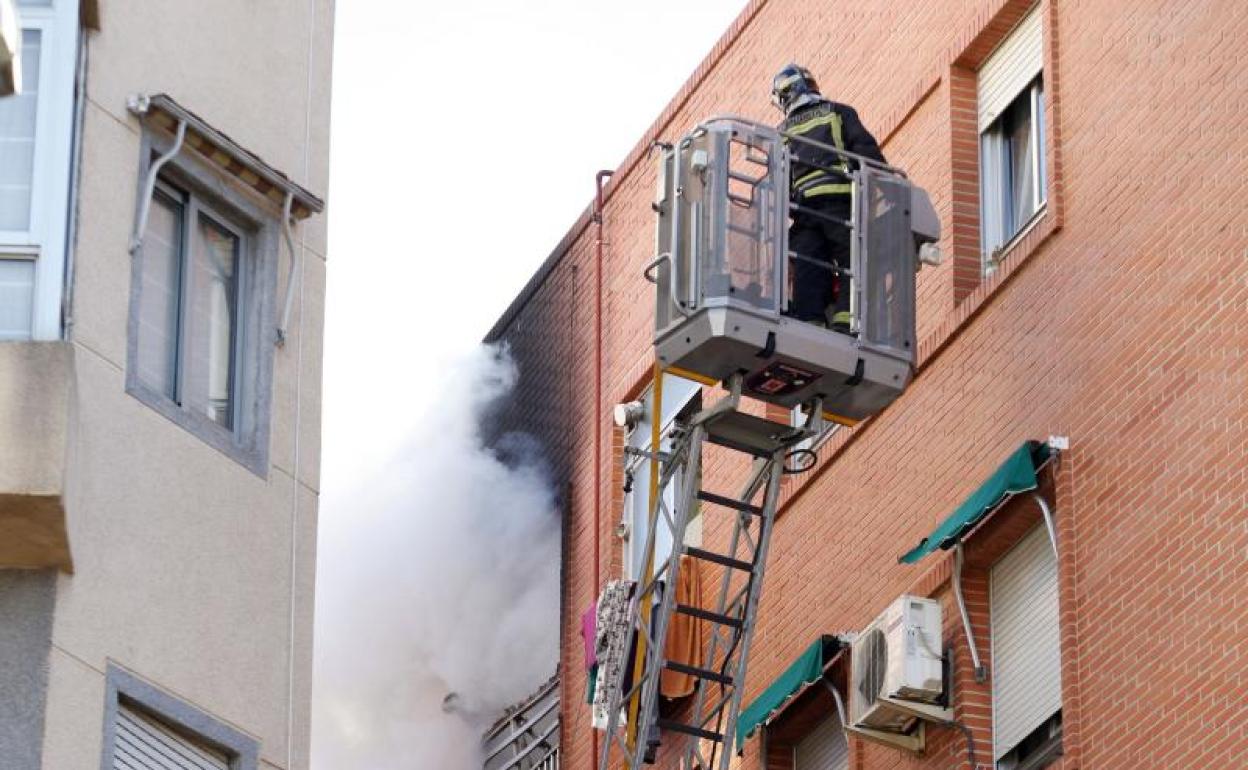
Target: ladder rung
[[701, 673], [729, 502], [719, 558], [697, 732], [714, 617], [753, 451]]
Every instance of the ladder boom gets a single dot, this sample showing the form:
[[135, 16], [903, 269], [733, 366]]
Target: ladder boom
[[720, 674]]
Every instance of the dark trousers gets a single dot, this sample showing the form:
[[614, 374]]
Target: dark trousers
[[827, 243]]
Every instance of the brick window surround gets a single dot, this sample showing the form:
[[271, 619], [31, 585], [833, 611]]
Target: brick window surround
[[964, 138], [991, 539]]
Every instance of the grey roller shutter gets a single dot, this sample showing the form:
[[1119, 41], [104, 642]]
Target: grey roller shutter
[[145, 743], [1010, 68], [1026, 644], [825, 748]]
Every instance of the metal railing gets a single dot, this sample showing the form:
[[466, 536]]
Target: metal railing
[[725, 209], [527, 735]]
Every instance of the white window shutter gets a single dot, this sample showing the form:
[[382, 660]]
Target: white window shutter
[[145, 743], [1026, 642], [1010, 68], [825, 748]]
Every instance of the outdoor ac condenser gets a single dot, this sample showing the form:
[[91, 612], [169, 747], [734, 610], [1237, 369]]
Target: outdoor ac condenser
[[896, 661]]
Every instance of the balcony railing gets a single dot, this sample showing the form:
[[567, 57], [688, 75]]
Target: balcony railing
[[527, 736]]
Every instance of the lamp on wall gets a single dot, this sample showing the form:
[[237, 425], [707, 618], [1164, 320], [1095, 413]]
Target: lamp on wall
[[629, 414]]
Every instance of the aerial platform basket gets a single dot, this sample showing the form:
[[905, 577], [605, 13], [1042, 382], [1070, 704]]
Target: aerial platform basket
[[723, 272]]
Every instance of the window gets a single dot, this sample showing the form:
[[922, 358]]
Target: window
[[1012, 137], [147, 728], [1039, 749], [201, 307], [823, 748], [188, 322], [144, 740], [680, 397], [1026, 654], [36, 128]]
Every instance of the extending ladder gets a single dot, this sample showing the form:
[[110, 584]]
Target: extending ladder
[[634, 727]]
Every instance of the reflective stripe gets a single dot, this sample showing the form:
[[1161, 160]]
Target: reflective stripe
[[838, 137], [812, 176], [843, 317], [814, 123], [828, 189], [833, 120]]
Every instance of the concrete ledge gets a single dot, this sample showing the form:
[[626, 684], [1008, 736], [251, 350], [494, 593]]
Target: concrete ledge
[[32, 533], [35, 387]]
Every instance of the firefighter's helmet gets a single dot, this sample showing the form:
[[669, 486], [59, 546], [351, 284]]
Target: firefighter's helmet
[[792, 87]]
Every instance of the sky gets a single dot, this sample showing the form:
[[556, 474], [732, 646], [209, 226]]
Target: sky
[[465, 139]]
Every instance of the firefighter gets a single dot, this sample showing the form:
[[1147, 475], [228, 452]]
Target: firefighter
[[819, 233]]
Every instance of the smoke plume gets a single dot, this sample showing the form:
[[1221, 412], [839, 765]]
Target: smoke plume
[[437, 575]]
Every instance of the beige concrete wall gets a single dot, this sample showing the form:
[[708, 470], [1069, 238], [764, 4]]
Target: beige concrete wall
[[35, 383], [191, 571], [34, 395]]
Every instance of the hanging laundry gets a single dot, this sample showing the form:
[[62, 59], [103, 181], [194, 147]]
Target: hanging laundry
[[591, 684], [588, 622], [612, 633], [684, 634]]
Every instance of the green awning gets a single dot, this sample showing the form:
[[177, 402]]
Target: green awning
[[806, 669], [1016, 474]]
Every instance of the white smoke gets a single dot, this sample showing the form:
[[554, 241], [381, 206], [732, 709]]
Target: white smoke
[[438, 574]]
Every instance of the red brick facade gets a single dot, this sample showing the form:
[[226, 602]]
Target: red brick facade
[[1120, 319]]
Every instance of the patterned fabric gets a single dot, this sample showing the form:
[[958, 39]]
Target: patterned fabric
[[589, 635], [613, 631]]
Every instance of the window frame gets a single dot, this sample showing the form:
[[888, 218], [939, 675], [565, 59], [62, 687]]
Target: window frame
[[45, 240], [121, 686], [207, 194], [194, 208], [834, 721], [241, 296], [999, 191]]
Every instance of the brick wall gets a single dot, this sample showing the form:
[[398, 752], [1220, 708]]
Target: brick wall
[[1119, 320]]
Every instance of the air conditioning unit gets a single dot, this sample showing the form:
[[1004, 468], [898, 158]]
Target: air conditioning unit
[[897, 673]]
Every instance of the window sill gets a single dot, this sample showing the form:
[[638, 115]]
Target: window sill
[[19, 252], [1014, 256], [998, 257], [224, 441]]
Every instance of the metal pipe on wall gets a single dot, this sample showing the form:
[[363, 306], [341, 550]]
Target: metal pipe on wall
[[600, 180]]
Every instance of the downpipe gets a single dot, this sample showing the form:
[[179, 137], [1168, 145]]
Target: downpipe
[[600, 180]]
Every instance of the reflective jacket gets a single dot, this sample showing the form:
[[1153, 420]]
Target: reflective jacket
[[830, 123]]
